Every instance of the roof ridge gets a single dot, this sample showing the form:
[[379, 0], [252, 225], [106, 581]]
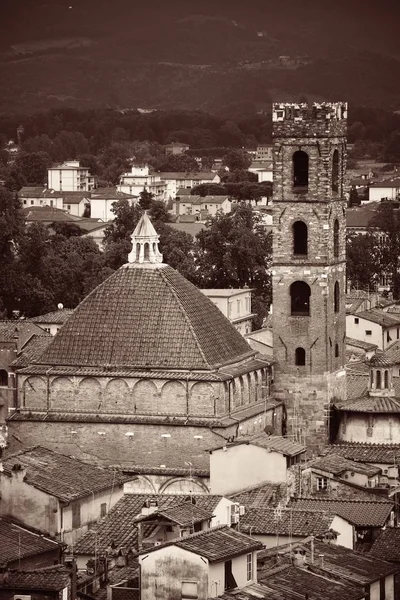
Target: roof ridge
[[352, 500]]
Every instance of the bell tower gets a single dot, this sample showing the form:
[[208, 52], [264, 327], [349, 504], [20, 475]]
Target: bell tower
[[308, 278]]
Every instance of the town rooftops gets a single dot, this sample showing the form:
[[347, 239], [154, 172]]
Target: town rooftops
[[31, 350], [197, 176], [119, 526], [340, 561], [147, 316], [262, 495], [198, 200], [297, 522], [360, 217], [56, 317], [215, 544], [360, 344], [63, 477], [375, 315], [69, 165], [274, 443], [18, 543], [371, 404], [387, 183], [360, 513], [9, 330], [183, 514], [53, 578], [387, 545], [337, 464], [38, 192], [386, 454], [109, 194], [47, 214]]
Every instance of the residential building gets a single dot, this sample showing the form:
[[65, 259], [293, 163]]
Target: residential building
[[69, 176], [205, 564], [360, 219], [139, 179], [174, 181], [53, 321], [374, 326], [263, 170], [277, 526], [235, 304], [366, 517], [95, 231], [75, 203], [261, 341], [176, 148], [64, 495], [370, 575], [359, 350], [309, 256], [21, 548], [48, 215], [174, 375], [250, 461], [103, 199], [119, 531], [387, 547], [48, 583], [40, 196], [201, 207], [385, 190], [264, 152]]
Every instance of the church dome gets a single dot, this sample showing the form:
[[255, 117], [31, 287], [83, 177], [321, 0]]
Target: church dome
[[148, 316]]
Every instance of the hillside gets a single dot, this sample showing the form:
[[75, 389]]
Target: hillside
[[182, 55]]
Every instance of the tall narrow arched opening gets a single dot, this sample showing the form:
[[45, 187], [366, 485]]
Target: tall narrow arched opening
[[336, 350], [300, 357], [336, 297], [336, 239], [300, 293], [137, 251], [300, 169], [386, 379], [300, 238], [335, 171], [378, 380], [146, 252]]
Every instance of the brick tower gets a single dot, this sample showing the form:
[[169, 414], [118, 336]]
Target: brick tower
[[309, 144]]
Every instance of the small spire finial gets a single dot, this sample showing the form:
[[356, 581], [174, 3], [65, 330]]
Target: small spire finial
[[145, 241]]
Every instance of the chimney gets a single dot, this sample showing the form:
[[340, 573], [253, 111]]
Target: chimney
[[18, 472], [299, 558], [312, 549], [321, 558], [149, 507], [70, 563]]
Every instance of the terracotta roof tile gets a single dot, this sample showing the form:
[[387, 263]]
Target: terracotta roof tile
[[272, 442], [184, 514], [255, 591], [215, 544], [260, 496], [56, 317], [372, 404], [387, 545], [268, 521], [119, 526], [337, 464], [32, 350], [375, 315], [50, 578], [17, 542], [360, 344], [63, 477], [358, 512], [368, 453], [147, 318]]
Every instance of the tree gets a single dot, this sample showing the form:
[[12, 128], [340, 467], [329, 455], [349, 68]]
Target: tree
[[354, 199], [236, 160], [363, 263], [176, 163], [33, 166], [235, 251], [387, 221], [11, 232], [145, 199]]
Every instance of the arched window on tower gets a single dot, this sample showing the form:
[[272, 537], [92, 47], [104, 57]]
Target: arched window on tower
[[336, 297], [146, 252], [386, 380], [300, 169], [300, 238], [300, 357], [378, 380], [300, 299], [3, 378], [336, 238], [335, 171]]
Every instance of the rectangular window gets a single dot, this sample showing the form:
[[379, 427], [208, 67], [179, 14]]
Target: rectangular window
[[355, 320], [249, 567], [368, 332], [32, 202], [382, 593], [103, 510], [398, 333], [189, 590], [76, 515], [388, 338], [322, 483]]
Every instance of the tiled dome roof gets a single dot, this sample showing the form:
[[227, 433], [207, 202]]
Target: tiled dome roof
[[378, 360], [147, 316]]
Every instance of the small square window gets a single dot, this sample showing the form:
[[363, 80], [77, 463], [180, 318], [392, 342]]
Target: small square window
[[322, 483], [356, 321], [189, 590], [368, 332], [103, 510]]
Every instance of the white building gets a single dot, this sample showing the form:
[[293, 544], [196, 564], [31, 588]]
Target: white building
[[102, 200], [69, 176], [264, 152], [235, 304], [385, 190], [174, 181], [201, 206], [374, 326], [40, 196], [138, 179], [262, 169]]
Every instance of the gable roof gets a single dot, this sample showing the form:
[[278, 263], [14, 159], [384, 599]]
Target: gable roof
[[297, 522], [387, 545], [119, 526], [358, 512], [53, 578], [360, 344], [197, 176], [147, 316], [372, 404], [337, 464], [183, 514], [271, 442], [17, 542], [32, 350], [215, 544], [375, 315], [261, 496], [63, 477], [255, 591], [56, 317], [386, 454]]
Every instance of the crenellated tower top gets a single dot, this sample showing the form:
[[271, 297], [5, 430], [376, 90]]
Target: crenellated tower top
[[321, 119]]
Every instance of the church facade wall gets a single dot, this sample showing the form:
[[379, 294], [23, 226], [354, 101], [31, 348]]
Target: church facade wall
[[369, 428]]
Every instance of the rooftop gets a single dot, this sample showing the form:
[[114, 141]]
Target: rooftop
[[387, 545], [386, 454], [337, 464], [358, 512], [371, 404], [271, 442], [63, 477], [255, 591], [225, 293], [197, 176], [147, 316], [17, 542], [183, 514], [56, 317], [53, 578], [31, 350], [263, 495], [375, 315], [360, 344], [297, 522], [387, 183], [118, 525], [215, 544]]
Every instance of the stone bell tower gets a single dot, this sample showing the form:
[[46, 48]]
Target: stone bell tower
[[309, 146]]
